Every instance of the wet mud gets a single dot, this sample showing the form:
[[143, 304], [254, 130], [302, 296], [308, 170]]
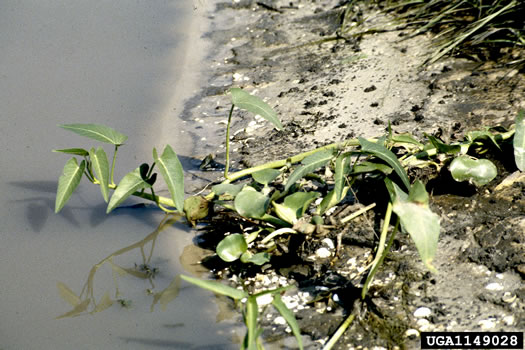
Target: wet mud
[[327, 88]]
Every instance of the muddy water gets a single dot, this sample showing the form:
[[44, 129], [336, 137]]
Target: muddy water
[[116, 63]]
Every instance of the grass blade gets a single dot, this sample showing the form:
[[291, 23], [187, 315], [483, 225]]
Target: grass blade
[[97, 132], [172, 172], [68, 182], [129, 184], [99, 161], [519, 141], [216, 287], [254, 104]]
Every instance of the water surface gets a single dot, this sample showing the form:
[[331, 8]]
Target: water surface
[[117, 63]]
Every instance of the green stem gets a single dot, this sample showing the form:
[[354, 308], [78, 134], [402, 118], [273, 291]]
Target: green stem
[[113, 165], [227, 165], [382, 249], [340, 331]]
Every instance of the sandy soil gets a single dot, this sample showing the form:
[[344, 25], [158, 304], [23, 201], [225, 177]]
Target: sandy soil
[[327, 90]]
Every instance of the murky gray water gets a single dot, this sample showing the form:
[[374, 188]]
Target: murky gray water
[[118, 63]]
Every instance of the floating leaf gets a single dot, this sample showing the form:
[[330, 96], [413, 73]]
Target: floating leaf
[[97, 132], [172, 172], [196, 208], [519, 141], [129, 184], [103, 304], [250, 203], [67, 294], [265, 176], [75, 151], [310, 164], [167, 295], [254, 104], [68, 182], [77, 310], [216, 287], [100, 164], [231, 247], [288, 315], [478, 171], [387, 156]]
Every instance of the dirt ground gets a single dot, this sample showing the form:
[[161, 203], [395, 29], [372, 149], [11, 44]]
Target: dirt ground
[[326, 90]]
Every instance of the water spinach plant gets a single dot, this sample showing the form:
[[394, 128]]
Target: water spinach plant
[[282, 197]]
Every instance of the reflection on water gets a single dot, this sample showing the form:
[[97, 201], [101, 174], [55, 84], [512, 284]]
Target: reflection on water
[[113, 63]]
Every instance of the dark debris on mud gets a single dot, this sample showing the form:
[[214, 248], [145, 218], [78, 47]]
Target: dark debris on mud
[[328, 89]]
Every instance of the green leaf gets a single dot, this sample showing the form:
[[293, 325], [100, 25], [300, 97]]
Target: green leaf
[[171, 170], [100, 164], [196, 208], [257, 259], [299, 202], [97, 132], [75, 151], [478, 171], [368, 167], [250, 203], [310, 164], [231, 247], [418, 220], [519, 141], [254, 104], [482, 135], [341, 168], [387, 156], [287, 214], [227, 189], [330, 200], [68, 182], [252, 313], [265, 176], [216, 287], [129, 184], [443, 147], [167, 295], [288, 315], [406, 139]]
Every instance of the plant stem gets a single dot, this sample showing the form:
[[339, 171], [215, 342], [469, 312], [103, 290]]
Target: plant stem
[[113, 165], [227, 165], [340, 331]]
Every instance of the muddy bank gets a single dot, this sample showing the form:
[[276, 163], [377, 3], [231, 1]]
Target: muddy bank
[[325, 89]]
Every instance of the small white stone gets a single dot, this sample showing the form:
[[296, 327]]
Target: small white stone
[[323, 253], [329, 243], [422, 312], [264, 299], [237, 76], [279, 320], [508, 320], [494, 286], [411, 333], [487, 324]]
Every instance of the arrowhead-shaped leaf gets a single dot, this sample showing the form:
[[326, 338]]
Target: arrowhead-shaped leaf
[[129, 184], [100, 164], [479, 171], [310, 163], [216, 287], [387, 156], [97, 132], [171, 170], [519, 141], [68, 182], [254, 104]]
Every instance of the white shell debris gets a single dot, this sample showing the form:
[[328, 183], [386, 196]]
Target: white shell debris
[[488, 323], [494, 286], [264, 299], [422, 312], [329, 243], [279, 320], [323, 253]]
